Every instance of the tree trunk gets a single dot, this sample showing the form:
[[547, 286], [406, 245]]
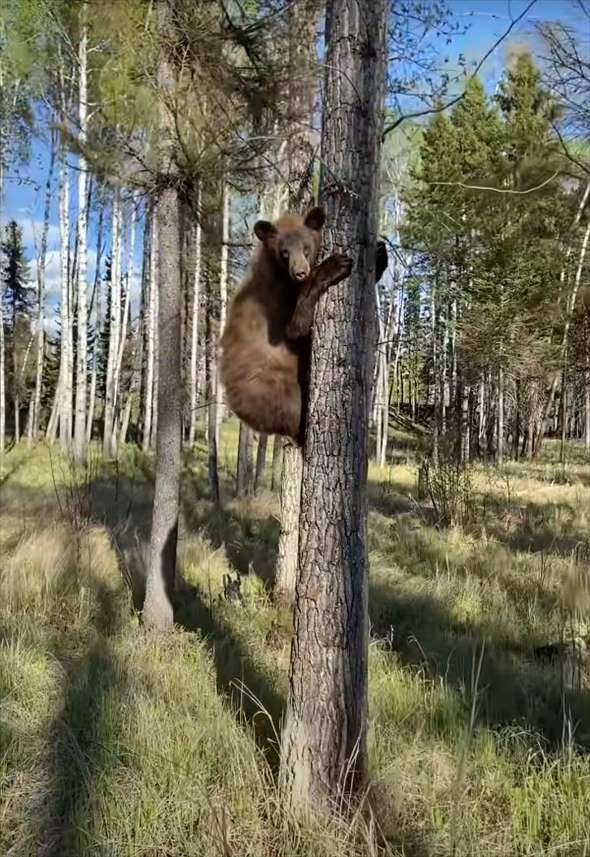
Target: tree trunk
[[244, 464], [33, 431], [500, 440], [303, 21], [82, 319], [157, 611], [194, 376], [570, 307], [223, 283], [151, 332], [124, 323], [323, 754], [260, 462], [114, 328], [277, 461], [65, 387], [95, 303]]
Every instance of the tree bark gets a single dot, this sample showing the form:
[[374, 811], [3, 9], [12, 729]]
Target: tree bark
[[114, 327], [41, 265], [157, 611], [260, 462], [244, 464], [277, 461], [82, 314], [323, 754], [303, 20], [65, 387], [151, 332], [194, 375]]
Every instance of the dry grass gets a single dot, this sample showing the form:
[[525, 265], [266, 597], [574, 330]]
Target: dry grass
[[112, 743]]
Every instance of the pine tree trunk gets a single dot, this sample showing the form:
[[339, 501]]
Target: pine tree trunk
[[114, 328], [500, 438], [260, 462], [303, 21], [277, 462], [323, 754], [82, 319], [151, 333], [244, 463], [65, 387], [194, 376], [157, 611]]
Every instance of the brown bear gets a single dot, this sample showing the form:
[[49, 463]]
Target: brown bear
[[265, 347]]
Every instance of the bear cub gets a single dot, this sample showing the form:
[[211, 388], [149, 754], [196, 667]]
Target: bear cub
[[265, 347]]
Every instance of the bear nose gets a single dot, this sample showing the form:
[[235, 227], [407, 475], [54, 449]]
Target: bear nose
[[300, 275]]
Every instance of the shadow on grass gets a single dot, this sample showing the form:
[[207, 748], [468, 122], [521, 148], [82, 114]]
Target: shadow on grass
[[126, 512], [94, 688], [515, 689]]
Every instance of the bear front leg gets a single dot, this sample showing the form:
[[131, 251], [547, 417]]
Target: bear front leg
[[332, 270]]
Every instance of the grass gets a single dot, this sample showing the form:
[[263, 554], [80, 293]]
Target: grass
[[114, 743]]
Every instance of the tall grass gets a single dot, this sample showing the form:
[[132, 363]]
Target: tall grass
[[115, 743]]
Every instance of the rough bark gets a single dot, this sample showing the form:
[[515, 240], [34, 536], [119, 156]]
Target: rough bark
[[82, 309], [114, 327], [157, 611], [244, 463], [277, 461], [194, 375], [151, 334], [260, 462], [323, 754], [303, 20]]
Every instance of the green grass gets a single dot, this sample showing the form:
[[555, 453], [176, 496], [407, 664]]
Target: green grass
[[113, 743]]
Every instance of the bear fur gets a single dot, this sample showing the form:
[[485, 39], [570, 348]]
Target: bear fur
[[265, 347]]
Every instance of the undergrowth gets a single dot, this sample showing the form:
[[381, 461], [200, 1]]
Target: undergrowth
[[115, 743]]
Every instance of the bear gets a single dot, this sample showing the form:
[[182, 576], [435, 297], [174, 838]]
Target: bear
[[265, 347]]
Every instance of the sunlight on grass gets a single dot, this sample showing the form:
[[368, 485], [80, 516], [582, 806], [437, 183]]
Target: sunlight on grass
[[115, 743]]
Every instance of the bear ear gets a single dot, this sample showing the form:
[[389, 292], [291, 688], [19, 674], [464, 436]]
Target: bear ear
[[263, 229], [315, 218]]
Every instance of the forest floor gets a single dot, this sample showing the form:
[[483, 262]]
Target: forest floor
[[116, 744]]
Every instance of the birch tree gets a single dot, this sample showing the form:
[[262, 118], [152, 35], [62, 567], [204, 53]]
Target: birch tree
[[323, 752], [82, 315]]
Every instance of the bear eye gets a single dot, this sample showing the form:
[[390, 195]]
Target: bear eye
[[285, 254]]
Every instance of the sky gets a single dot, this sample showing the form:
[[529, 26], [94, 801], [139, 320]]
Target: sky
[[485, 21]]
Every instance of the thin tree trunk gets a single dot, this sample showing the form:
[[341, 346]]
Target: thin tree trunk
[[125, 319], [500, 439], [33, 432], [157, 611], [260, 462], [151, 334], [97, 304], [570, 307], [194, 377], [82, 320], [587, 400], [114, 328], [223, 283], [277, 462], [65, 388], [323, 753], [244, 464]]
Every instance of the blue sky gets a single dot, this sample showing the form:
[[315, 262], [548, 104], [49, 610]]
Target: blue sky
[[486, 20]]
